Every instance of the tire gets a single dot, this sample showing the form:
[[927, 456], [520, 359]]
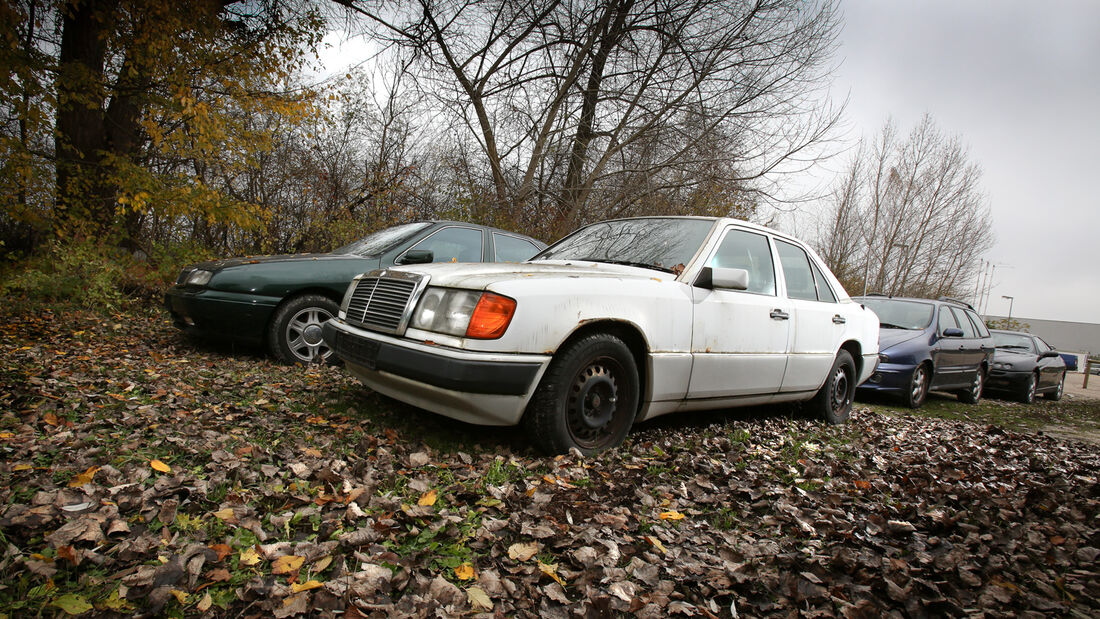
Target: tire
[[918, 386], [833, 402], [974, 393], [294, 335], [1056, 395], [1027, 396], [587, 399]]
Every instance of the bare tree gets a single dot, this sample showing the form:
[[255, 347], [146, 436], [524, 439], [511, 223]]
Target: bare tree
[[908, 217], [580, 109]]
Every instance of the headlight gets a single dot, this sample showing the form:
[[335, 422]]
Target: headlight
[[1000, 365], [884, 358], [480, 315], [198, 277]]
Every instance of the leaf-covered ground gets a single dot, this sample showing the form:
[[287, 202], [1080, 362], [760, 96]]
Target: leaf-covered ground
[[143, 473]]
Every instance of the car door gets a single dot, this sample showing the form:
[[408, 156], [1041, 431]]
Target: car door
[[739, 337], [948, 352], [816, 323], [971, 353], [1050, 368]]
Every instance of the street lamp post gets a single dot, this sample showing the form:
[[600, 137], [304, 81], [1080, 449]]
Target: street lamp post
[[1010, 301]]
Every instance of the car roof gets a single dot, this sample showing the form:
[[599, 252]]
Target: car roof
[[451, 222], [940, 301]]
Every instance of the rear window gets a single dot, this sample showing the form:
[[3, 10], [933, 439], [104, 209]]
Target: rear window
[[895, 314]]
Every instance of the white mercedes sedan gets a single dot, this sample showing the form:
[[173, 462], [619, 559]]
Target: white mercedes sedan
[[619, 322]]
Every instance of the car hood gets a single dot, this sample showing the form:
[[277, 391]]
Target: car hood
[[893, 337], [479, 276], [228, 263], [1006, 355]]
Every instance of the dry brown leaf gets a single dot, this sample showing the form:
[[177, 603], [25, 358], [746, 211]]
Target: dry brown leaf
[[478, 599], [205, 603], [521, 551]]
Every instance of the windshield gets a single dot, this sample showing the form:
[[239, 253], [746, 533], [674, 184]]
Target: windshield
[[662, 243], [1013, 341], [894, 314], [385, 239]]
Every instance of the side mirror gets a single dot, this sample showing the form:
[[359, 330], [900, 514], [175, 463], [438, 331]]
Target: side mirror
[[1050, 354], [952, 332], [723, 278], [416, 256]]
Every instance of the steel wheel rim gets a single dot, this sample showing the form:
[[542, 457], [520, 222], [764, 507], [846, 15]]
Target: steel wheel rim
[[1061, 386], [840, 397], [976, 388], [916, 392], [1032, 384], [303, 335], [594, 411]]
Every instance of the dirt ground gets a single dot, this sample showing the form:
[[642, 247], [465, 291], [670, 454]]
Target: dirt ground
[[1074, 381]]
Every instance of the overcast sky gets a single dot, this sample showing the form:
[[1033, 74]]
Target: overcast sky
[[1019, 83]]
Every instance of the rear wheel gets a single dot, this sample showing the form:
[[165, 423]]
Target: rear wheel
[[833, 402], [974, 393], [918, 386], [587, 399], [1027, 395], [1057, 393], [295, 332]]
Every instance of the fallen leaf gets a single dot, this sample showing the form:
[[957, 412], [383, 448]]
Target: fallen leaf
[[861, 484], [523, 551], [672, 515], [223, 550], [218, 575], [320, 565], [225, 514], [299, 587], [52, 419], [83, 478], [160, 466], [181, 596], [551, 570], [72, 604], [427, 499], [205, 603], [249, 556], [309, 451], [465, 572], [656, 543], [287, 564], [478, 599]]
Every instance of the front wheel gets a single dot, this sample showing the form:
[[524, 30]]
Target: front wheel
[[918, 387], [1056, 395], [587, 399], [974, 393], [295, 332], [833, 402], [1027, 395]]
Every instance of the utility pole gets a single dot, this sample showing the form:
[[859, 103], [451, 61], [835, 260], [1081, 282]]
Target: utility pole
[[1010, 301]]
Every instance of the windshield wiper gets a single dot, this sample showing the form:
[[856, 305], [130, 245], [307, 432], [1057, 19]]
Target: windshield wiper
[[890, 325], [630, 263], [1021, 347]]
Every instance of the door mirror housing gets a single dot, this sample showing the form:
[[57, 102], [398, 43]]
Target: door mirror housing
[[952, 332], [723, 278], [1050, 354], [416, 256]]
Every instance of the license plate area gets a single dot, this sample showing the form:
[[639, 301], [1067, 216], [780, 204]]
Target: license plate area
[[362, 351]]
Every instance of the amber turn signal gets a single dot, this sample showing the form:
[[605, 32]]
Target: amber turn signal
[[491, 317]]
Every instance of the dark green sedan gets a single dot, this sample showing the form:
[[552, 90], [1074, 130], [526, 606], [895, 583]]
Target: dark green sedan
[[281, 301]]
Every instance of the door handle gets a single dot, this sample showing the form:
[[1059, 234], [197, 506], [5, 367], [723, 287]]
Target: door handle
[[779, 314], [839, 320]]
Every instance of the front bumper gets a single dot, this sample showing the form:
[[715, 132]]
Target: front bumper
[[889, 378], [476, 387], [1006, 380], [206, 312]]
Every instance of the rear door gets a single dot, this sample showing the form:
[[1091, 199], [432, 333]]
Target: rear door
[[971, 352], [816, 323], [739, 337], [948, 353]]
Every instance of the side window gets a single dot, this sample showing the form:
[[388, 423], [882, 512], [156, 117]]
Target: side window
[[1043, 346], [824, 293], [453, 245], [507, 248], [947, 320], [745, 250], [796, 270], [964, 323], [978, 324]]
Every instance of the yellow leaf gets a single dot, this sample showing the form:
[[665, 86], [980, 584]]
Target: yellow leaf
[[7, 435], [656, 543], [551, 570], [249, 556], [205, 603], [465, 572], [523, 552], [160, 466], [299, 587], [427, 499], [225, 514], [309, 451], [287, 564], [83, 478], [181, 596], [478, 599], [22, 467], [672, 515], [320, 565]]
